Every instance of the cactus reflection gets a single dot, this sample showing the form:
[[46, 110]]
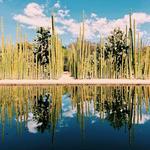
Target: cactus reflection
[[40, 108]]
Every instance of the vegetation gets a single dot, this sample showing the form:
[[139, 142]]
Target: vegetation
[[120, 55], [41, 52], [23, 60], [116, 50]]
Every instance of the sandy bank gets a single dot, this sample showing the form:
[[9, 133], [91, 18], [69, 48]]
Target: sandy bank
[[76, 82]]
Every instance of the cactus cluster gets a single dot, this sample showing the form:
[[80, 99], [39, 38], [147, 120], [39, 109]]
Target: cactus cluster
[[17, 61], [124, 57]]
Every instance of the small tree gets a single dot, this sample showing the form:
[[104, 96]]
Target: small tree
[[116, 46], [41, 52]]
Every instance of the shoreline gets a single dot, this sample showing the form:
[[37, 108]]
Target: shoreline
[[76, 82]]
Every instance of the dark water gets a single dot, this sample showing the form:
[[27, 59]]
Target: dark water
[[84, 117]]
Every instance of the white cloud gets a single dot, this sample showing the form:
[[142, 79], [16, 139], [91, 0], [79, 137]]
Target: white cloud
[[35, 21], [33, 10], [31, 123], [93, 15], [102, 26], [145, 118], [95, 26], [57, 5], [33, 16], [63, 13], [67, 110]]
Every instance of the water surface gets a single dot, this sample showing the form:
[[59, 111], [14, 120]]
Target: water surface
[[71, 117]]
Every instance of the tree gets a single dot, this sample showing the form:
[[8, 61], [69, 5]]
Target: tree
[[41, 52], [117, 48]]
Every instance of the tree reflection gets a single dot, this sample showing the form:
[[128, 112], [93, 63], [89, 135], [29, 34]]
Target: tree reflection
[[117, 111], [117, 105], [120, 106], [41, 111], [46, 110]]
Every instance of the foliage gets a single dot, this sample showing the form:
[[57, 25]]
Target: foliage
[[116, 46], [41, 52]]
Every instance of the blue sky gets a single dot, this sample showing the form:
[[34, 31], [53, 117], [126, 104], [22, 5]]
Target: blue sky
[[101, 16]]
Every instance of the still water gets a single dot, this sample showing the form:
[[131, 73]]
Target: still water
[[83, 117]]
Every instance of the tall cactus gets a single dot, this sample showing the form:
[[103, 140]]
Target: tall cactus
[[131, 47], [139, 58], [135, 51]]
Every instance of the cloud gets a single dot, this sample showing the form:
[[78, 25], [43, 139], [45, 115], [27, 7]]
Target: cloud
[[57, 5], [33, 10], [93, 15], [63, 13], [95, 26], [102, 26], [67, 110], [33, 16], [32, 124], [145, 118], [34, 21]]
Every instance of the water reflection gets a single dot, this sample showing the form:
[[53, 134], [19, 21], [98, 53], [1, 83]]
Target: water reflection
[[41, 111], [49, 109]]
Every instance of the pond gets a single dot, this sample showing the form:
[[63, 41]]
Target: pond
[[74, 117]]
